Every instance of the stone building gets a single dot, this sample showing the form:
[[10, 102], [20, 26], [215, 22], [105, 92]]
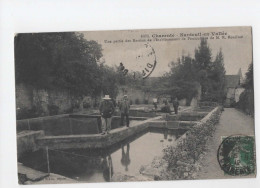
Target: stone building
[[233, 88]]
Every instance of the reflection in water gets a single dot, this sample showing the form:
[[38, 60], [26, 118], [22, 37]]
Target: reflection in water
[[125, 161], [101, 165], [107, 168], [165, 134]]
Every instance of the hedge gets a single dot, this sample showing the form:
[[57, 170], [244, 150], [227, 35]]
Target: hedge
[[181, 159]]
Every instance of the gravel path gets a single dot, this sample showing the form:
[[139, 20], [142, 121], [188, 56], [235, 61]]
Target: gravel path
[[231, 122]]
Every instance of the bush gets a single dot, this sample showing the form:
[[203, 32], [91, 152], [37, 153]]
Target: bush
[[23, 113], [145, 101], [53, 109], [86, 105], [69, 110], [181, 158], [26, 113], [137, 101], [246, 102], [131, 102]]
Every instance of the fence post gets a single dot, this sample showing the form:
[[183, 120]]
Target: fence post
[[29, 127], [48, 163]]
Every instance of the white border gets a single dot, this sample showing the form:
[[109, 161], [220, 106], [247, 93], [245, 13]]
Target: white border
[[80, 15]]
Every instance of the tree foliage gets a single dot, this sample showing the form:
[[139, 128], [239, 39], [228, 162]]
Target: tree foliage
[[61, 60], [249, 80], [188, 73], [246, 99]]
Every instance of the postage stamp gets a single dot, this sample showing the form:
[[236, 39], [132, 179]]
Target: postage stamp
[[236, 155]]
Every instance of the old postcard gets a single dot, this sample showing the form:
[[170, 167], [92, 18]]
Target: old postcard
[[135, 105]]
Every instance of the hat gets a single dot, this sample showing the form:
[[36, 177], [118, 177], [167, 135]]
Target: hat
[[125, 95], [106, 97]]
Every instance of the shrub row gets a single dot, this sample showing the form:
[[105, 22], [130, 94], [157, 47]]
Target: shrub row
[[181, 159]]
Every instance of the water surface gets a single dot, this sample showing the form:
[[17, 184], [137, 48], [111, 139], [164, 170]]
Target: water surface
[[126, 157]]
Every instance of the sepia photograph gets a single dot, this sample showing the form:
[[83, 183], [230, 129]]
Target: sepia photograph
[[134, 105]]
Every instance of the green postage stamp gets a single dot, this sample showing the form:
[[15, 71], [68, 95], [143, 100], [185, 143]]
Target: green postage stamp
[[236, 155]]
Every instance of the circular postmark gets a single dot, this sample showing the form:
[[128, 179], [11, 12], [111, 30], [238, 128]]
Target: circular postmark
[[236, 155], [142, 61], [148, 67]]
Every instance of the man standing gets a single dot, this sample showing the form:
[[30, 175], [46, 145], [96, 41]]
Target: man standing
[[124, 109], [176, 105], [155, 104], [106, 109]]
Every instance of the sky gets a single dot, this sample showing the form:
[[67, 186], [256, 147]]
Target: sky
[[235, 42]]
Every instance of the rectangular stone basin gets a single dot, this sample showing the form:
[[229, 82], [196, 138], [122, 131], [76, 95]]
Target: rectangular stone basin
[[103, 164], [69, 124]]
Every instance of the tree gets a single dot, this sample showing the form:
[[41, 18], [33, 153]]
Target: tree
[[211, 74], [249, 80], [246, 99], [203, 55], [57, 60], [109, 82], [188, 74], [181, 82], [216, 78], [203, 64]]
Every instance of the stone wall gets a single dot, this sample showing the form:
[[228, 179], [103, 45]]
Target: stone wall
[[46, 98], [31, 102], [144, 97], [26, 142], [132, 93], [94, 141], [24, 96]]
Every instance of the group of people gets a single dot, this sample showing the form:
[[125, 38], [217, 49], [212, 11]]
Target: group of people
[[166, 108], [107, 109]]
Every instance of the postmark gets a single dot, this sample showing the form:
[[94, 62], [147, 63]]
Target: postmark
[[144, 61], [236, 155], [150, 62]]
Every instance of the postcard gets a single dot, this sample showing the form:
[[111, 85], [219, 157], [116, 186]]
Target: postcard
[[135, 105]]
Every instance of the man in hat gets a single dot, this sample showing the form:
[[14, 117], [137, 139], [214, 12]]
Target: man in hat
[[124, 109], [155, 102], [106, 109]]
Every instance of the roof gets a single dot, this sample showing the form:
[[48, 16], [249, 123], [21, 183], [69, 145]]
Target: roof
[[232, 81]]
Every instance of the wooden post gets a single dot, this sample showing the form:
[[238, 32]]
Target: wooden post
[[48, 163]]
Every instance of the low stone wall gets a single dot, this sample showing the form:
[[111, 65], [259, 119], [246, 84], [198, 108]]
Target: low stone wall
[[118, 134], [96, 140], [172, 124], [186, 116], [115, 136], [36, 123], [69, 124], [26, 142], [60, 125]]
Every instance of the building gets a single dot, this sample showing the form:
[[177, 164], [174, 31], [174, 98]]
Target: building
[[233, 88]]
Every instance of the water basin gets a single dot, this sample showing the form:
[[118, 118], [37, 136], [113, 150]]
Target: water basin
[[126, 157]]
